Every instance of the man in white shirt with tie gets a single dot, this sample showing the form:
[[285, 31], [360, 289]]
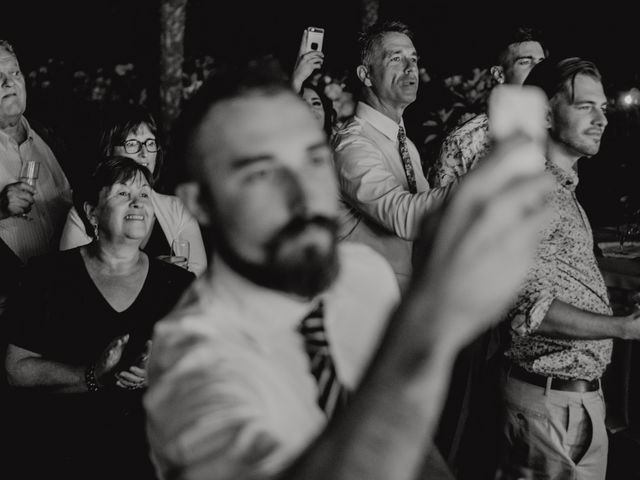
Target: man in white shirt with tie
[[254, 361], [31, 218], [383, 188]]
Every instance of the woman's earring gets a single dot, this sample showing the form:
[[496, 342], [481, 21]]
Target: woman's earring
[[95, 231]]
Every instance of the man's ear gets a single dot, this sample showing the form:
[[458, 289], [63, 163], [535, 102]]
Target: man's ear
[[90, 212], [191, 195], [548, 118], [363, 75], [497, 72]]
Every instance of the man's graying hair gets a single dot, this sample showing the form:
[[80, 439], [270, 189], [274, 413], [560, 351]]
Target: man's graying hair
[[370, 38]]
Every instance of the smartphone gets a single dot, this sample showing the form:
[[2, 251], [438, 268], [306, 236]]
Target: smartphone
[[515, 109], [315, 36]]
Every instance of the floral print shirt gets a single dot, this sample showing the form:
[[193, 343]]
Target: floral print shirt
[[565, 269], [461, 150]]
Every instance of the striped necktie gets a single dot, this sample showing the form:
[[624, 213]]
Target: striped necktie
[[406, 160], [331, 394]]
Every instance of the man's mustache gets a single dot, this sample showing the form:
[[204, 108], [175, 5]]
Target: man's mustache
[[299, 224]]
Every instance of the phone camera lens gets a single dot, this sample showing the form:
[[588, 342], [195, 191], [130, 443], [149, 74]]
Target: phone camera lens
[[314, 46]]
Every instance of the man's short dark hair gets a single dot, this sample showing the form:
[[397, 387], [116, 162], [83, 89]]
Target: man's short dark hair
[[555, 77], [370, 38], [516, 36], [260, 77]]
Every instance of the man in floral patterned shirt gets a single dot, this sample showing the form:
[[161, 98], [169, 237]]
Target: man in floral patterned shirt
[[470, 142], [561, 324]]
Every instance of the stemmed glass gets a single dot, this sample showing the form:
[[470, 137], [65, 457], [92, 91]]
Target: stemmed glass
[[180, 249], [29, 174], [627, 231]]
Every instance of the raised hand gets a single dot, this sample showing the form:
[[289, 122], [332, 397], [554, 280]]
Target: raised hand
[[306, 64], [16, 199]]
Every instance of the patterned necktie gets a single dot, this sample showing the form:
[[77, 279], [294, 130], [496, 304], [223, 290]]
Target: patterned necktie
[[406, 160], [331, 394]]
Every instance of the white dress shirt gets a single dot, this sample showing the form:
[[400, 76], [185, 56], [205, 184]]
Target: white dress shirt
[[231, 394], [40, 232], [380, 211]]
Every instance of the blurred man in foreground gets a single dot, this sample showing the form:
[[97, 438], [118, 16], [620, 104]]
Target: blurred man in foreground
[[291, 357]]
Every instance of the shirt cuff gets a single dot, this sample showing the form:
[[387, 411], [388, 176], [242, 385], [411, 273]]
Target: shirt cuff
[[528, 322]]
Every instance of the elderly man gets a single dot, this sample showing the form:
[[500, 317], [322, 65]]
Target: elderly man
[[383, 188], [562, 325], [274, 340], [31, 218], [521, 51]]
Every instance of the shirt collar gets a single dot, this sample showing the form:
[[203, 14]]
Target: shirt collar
[[5, 139], [568, 179], [379, 120], [263, 308]]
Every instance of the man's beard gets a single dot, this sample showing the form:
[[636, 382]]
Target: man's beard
[[310, 273]]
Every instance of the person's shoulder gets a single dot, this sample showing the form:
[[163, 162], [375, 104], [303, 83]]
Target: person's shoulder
[[54, 258], [45, 134], [58, 264], [351, 130], [198, 318], [167, 201], [474, 124], [354, 141], [365, 268], [171, 274], [170, 204]]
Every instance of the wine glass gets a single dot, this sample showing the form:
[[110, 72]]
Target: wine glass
[[29, 174], [180, 250]]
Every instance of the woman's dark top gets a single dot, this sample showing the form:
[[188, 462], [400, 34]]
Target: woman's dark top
[[158, 243], [59, 313]]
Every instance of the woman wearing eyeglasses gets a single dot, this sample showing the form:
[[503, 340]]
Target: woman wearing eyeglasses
[[132, 132]]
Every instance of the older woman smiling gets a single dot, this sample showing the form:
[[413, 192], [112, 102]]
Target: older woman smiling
[[131, 132], [79, 330]]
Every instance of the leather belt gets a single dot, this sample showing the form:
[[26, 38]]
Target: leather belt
[[556, 383]]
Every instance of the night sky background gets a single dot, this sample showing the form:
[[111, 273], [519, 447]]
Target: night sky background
[[451, 37]]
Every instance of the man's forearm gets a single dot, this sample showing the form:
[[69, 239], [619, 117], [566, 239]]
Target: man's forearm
[[566, 321], [386, 430]]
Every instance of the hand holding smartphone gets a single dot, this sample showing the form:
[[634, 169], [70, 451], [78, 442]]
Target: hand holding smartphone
[[520, 110], [315, 37]]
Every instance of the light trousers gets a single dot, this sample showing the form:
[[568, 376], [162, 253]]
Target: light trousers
[[552, 434]]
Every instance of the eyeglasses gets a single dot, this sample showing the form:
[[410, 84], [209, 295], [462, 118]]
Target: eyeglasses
[[134, 146]]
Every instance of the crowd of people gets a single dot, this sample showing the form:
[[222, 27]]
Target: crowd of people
[[346, 316]]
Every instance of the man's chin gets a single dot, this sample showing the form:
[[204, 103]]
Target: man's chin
[[306, 272]]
